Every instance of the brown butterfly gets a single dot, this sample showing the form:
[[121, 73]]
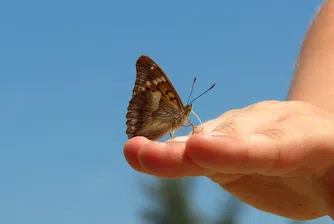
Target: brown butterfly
[[155, 108]]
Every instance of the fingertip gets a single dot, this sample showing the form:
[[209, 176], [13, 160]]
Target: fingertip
[[168, 160], [131, 151], [149, 153], [161, 159]]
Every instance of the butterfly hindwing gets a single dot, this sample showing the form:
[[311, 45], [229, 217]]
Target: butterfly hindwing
[[149, 115]]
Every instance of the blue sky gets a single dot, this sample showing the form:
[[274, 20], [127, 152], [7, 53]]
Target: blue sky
[[67, 73]]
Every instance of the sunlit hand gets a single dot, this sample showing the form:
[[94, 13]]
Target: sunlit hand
[[275, 156]]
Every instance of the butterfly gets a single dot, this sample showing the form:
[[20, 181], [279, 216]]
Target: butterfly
[[155, 107]]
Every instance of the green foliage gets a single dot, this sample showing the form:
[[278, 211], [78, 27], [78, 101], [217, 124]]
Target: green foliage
[[172, 203]]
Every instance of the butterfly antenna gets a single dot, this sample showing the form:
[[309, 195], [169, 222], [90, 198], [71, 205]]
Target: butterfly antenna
[[192, 88], [196, 116], [203, 93]]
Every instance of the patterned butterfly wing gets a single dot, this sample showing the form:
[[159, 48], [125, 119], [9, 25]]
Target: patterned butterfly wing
[[155, 107]]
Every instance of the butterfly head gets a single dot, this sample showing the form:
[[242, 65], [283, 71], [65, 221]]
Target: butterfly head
[[188, 108], [187, 111]]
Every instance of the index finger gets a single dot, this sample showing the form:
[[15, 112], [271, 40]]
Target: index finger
[[162, 159]]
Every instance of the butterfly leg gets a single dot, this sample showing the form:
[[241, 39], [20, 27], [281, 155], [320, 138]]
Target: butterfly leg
[[192, 125], [171, 133]]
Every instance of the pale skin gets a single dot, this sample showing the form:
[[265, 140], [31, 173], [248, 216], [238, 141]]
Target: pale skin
[[275, 156]]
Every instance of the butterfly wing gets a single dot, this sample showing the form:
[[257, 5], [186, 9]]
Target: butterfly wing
[[150, 75], [155, 107]]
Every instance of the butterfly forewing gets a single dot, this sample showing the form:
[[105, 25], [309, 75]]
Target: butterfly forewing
[[155, 107], [150, 75]]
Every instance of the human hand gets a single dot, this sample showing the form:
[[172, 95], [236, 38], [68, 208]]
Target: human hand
[[275, 156]]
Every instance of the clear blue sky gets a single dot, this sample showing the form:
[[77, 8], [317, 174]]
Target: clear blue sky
[[67, 70]]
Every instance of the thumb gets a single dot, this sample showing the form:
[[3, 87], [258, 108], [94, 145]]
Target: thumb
[[270, 153]]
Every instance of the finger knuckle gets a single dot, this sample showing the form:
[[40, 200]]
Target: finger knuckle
[[262, 105], [273, 134], [229, 114], [231, 128]]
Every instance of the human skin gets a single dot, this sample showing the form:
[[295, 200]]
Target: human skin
[[276, 156]]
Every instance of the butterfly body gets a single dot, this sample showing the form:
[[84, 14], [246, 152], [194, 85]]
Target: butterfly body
[[155, 108]]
